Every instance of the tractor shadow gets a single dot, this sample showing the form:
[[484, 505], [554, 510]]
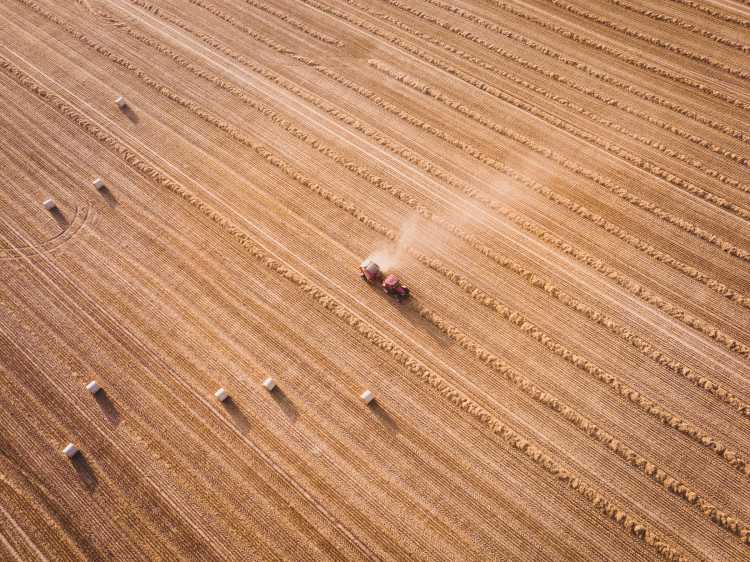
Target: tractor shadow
[[409, 312], [238, 418], [385, 419], [130, 114], [85, 472], [107, 407], [108, 197], [59, 217], [286, 405]]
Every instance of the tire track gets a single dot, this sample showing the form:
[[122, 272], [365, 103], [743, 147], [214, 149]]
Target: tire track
[[112, 327], [598, 503], [78, 221]]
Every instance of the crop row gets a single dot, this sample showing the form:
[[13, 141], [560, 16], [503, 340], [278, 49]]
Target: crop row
[[627, 87], [598, 502], [589, 428], [581, 210], [669, 483], [610, 186], [580, 255], [578, 209], [598, 265], [649, 39], [565, 102], [520, 322], [612, 148], [240, 303], [286, 18], [710, 10], [571, 415], [633, 61], [515, 317], [403, 152], [716, 516], [661, 17]]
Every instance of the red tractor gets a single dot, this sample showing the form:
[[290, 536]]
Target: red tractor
[[371, 273]]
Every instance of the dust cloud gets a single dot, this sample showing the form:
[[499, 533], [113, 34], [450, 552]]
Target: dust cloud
[[392, 255]]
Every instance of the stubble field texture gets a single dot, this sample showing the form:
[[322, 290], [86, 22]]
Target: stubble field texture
[[564, 185]]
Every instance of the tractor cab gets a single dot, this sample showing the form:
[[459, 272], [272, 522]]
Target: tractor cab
[[392, 285]]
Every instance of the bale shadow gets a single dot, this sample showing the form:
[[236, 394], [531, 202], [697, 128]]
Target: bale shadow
[[238, 418], [384, 417], [107, 407], [108, 197], [286, 405], [130, 114], [85, 472], [59, 217]]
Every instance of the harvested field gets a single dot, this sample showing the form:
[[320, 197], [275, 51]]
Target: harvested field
[[563, 185]]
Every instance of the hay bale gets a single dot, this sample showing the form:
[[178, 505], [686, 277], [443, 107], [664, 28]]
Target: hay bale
[[269, 383], [367, 396], [221, 395], [70, 450]]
